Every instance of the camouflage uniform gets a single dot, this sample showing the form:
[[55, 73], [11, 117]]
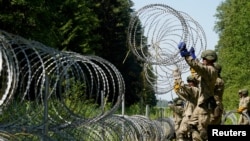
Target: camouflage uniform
[[177, 113], [218, 96], [244, 107], [208, 75], [190, 95]]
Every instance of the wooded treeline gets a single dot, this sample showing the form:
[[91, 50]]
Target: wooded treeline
[[99, 27], [233, 28], [89, 27]]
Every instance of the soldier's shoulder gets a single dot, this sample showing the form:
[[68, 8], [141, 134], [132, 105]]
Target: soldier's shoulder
[[212, 68], [219, 80]]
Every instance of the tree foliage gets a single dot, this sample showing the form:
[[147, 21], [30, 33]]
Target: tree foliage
[[95, 27], [233, 28], [60, 24]]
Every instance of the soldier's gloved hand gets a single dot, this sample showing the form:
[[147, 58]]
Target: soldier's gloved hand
[[182, 46], [192, 52], [183, 49], [176, 86], [240, 110]]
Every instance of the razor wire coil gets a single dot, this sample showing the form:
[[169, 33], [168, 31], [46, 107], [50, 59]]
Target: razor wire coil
[[25, 65], [161, 28]]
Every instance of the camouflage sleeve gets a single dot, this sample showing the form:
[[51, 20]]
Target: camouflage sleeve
[[219, 89], [188, 92], [246, 102], [206, 72]]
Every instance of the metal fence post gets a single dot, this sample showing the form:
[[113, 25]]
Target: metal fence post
[[45, 129]]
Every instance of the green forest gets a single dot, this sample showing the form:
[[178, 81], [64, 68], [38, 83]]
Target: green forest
[[233, 48], [89, 27], [100, 28]]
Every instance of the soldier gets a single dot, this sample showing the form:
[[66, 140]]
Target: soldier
[[244, 107], [189, 93], [208, 74], [218, 96], [177, 109]]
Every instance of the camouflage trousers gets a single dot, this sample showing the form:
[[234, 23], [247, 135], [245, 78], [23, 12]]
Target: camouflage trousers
[[243, 120], [183, 131], [216, 116], [199, 122]]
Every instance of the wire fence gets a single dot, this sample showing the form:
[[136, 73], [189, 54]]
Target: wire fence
[[161, 28], [48, 94], [40, 97]]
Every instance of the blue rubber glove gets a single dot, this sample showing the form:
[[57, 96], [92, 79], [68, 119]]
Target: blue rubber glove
[[192, 52], [183, 49], [182, 46], [184, 53]]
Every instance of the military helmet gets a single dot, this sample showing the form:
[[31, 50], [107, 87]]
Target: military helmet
[[190, 78], [244, 91], [209, 55], [179, 102]]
